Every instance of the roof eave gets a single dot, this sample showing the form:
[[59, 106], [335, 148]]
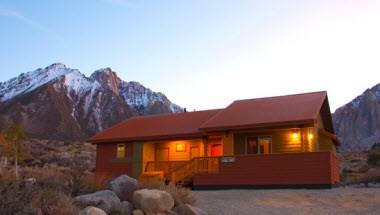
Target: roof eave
[[260, 125], [148, 138]]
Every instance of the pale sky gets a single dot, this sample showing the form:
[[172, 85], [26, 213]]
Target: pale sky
[[202, 54]]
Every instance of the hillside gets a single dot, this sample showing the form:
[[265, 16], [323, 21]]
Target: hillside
[[60, 103]]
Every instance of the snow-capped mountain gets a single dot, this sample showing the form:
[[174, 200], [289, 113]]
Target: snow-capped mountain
[[357, 123], [58, 102]]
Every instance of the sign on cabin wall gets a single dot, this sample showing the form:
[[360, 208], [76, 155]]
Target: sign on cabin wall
[[228, 159]]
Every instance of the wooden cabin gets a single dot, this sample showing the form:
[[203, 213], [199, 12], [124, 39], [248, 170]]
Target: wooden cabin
[[274, 142]]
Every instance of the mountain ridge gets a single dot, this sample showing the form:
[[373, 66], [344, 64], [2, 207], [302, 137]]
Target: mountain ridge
[[61, 103], [357, 123]]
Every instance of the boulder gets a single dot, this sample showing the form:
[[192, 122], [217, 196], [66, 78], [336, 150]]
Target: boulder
[[172, 213], [137, 212], [124, 187], [153, 201], [92, 211], [124, 208], [104, 199], [186, 209]]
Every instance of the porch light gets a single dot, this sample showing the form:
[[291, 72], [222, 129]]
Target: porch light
[[180, 147], [310, 136], [295, 135]]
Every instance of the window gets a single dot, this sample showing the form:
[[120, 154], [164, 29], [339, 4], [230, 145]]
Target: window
[[120, 151], [258, 145], [252, 147], [180, 147]]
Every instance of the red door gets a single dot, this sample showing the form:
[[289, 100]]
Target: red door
[[216, 150]]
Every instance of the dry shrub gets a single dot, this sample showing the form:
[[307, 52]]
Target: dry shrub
[[373, 175], [373, 157], [86, 182], [25, 197], [181, 195], [52, 202], [58, 178]]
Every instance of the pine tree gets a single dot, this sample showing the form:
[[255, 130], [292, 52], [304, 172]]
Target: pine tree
[[14, 136]]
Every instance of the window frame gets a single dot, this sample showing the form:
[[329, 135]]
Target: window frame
[[258, 143], [124, 153]]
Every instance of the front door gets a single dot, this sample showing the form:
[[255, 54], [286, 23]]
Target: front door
[[216, 150]]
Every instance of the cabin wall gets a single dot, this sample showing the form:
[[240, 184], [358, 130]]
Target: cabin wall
[[150, 149], [316, 168], [148, 153], [326, 144], [228, 144], [107, 165], [283, 140], [137, 159]]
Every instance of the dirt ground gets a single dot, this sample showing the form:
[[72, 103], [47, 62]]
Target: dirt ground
[[288, 201]]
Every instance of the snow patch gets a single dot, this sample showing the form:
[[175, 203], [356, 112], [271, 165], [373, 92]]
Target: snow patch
[[27, 82]]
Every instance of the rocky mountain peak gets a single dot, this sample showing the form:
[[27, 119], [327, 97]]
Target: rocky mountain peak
[[357, 123], [107, 78], [57, 102], [27, 82]]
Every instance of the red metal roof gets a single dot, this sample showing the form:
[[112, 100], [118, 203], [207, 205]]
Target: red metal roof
[[263, 111], [164, 126], [250, 113]]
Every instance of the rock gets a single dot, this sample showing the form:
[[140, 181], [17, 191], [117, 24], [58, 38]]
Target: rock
[[124, 208], [104, 199], [373, 184], [124, 187], [137, 212], [153, 201], [92, 211], [186, 209], [172, 213]]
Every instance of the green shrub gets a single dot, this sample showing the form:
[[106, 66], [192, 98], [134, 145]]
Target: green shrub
[[373, 157]]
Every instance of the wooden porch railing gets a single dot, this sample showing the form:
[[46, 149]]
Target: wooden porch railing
[[192, 167], [176, 171], [164, 166]]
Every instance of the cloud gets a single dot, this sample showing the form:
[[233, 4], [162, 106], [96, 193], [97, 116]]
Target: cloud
[[30, 22]]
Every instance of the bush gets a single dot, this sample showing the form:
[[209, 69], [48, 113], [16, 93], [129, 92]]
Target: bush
[[52, 202], [30, 198], [373, 175], [181, 195], [373, 157], [84, 183]]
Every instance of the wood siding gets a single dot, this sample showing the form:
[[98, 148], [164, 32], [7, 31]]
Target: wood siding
[[228, 143], [320, 168], [107, 165], [150, 149], [282, 140]]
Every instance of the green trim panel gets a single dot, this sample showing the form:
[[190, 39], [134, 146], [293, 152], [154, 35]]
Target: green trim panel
[[137, 159]]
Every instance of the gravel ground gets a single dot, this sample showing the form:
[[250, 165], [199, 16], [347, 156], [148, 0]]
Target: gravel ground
[[249, 202]]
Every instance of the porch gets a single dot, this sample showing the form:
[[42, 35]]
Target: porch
[[286, 170], [266, 155]]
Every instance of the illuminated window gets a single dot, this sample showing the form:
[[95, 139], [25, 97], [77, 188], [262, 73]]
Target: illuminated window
[[120, 151], [180, 147]]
